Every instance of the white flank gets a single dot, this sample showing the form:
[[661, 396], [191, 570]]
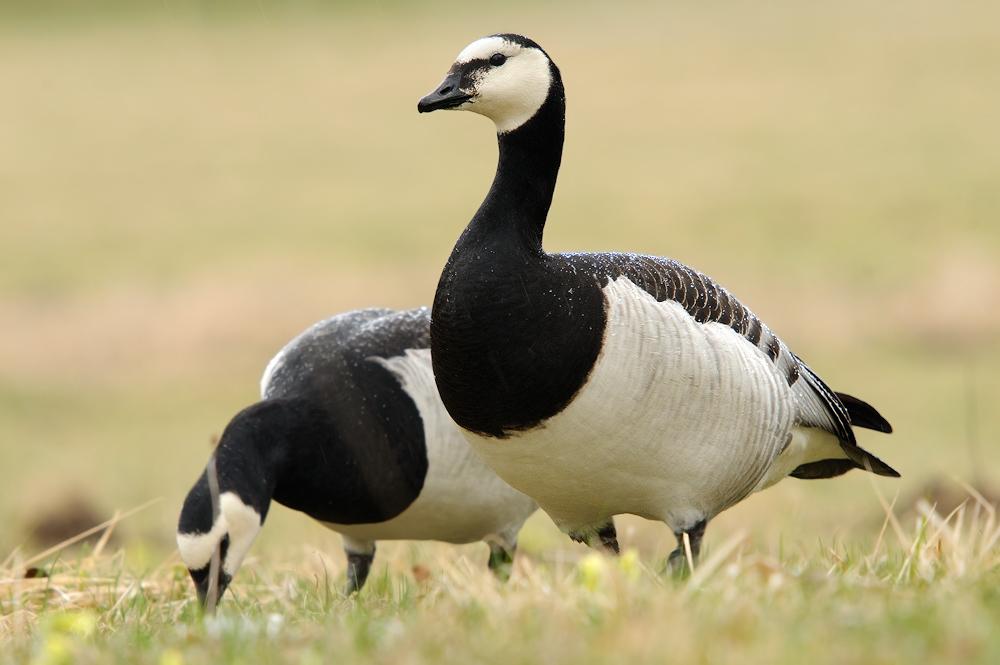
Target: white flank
[[239, 520], [462, 500], [678, 421], [511, 93], [807, 445]]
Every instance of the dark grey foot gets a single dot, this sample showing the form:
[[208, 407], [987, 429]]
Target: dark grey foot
[[609, 538], [677, 562], [501, 560], [358, 566], [606, 538]]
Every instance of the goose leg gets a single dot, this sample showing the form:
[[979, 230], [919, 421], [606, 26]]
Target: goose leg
[[678, 558], [609, 538], [501, 559], [604, 539], [359, 562]]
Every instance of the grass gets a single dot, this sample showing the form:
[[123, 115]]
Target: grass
[[184, 189], [927, 592]]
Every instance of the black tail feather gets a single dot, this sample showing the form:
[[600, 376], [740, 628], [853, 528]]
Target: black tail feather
[[828, 468], [864, 414], [865, 460]]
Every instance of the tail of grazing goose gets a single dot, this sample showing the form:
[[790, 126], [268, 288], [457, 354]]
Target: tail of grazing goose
[[858, 458], [839, 413], [863, 414]]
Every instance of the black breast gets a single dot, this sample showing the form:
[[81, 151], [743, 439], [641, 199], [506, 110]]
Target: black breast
[[513, 341]]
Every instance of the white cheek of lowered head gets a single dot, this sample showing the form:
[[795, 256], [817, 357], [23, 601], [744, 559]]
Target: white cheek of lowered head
[[509, 94], [237, 520]]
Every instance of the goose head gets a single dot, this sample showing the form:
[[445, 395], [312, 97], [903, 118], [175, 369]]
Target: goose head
[[245, 484], [198, 537], [506, 78]]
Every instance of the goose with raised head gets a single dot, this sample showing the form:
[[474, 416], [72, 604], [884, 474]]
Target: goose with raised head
[[351, 432], [603, 384]]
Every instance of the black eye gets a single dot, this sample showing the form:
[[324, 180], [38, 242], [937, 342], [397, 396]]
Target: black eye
[[498, 59]]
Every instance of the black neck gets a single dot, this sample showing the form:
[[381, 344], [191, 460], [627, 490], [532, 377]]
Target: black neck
[[518, 201], [248, 461], [253, 452], [515, 332]]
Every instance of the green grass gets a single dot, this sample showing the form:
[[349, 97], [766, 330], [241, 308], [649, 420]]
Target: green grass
[[928, 593], [183, 188]]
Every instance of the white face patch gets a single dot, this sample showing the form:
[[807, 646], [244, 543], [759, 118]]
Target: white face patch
[[511, 93], [237, 519]]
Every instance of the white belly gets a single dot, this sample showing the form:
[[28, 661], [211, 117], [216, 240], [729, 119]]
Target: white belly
[[462, 500], [677, 422]]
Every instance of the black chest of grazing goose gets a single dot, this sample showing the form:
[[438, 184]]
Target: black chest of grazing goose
[[350, 431], [602, 384]]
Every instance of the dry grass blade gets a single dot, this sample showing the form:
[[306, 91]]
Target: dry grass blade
[[212, 597], [89, 532], [975, 494], [918, 540], [121, 599], [714, 562], [103, 541], [889, 516], [687, 553], [10, 557], [896, 526]]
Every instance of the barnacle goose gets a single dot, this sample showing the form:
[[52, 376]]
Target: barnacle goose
[[601, 384], [351, 432]]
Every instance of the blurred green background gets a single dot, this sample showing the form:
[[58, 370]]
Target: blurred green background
[[184, 186]]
